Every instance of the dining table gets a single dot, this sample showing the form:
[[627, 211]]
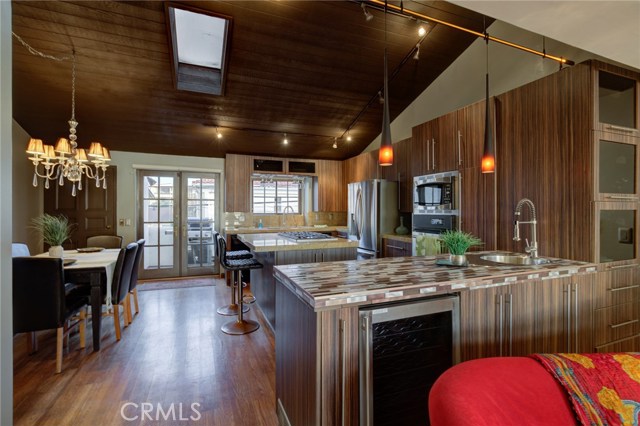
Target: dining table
[[94, 268]]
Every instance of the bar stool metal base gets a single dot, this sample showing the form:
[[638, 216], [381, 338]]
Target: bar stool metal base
[[240, 327], [231, 310]]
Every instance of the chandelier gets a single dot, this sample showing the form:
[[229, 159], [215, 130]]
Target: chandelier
[[66, 160]]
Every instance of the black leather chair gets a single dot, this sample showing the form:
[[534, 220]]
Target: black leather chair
[[40, 301], [19, 250], [120, 285], [133, 285], [105, 241], [241, 325]]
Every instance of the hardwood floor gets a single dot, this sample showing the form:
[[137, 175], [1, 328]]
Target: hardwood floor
[[173, 353]]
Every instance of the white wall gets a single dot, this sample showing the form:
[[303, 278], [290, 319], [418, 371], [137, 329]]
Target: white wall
[[27, 201], [129, 162], [463, 83], [6, 321]]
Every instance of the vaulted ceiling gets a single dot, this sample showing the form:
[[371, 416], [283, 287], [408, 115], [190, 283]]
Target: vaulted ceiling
[[310, 69]]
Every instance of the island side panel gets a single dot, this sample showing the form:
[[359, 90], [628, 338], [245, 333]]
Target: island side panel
[[297, 363]]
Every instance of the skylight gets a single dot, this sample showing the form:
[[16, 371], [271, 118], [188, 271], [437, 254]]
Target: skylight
[[199, 39]]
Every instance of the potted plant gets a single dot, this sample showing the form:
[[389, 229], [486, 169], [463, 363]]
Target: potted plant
[[55, 230], [458, 242]]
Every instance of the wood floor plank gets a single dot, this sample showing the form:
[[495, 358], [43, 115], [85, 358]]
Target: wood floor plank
[[172, 353]]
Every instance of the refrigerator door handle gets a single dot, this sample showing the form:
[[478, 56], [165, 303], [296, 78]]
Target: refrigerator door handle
[[358, 210]]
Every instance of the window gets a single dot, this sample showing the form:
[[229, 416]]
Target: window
[[274, 195]]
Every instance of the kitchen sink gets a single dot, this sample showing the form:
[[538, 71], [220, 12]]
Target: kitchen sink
[[514, 259]]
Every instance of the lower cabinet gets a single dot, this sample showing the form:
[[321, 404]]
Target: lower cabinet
[[395, 248], [550, 315]]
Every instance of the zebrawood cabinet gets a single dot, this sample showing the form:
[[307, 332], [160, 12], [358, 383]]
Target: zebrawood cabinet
[[237, 183], [331, 191], [478, 205], [323, 388], [395, 248], [616, 100]]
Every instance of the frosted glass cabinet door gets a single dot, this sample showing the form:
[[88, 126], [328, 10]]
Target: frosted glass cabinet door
[[617, 232], [616, 175]]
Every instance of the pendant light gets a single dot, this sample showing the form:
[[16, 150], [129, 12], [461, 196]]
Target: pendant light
[[385, 156], [488, 156]]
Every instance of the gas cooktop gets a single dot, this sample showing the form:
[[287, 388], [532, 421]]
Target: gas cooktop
[[305, 236]]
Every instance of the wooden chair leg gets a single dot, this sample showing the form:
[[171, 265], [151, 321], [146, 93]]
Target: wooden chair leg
[[126, 307], [116, 320], [135, 300], [83, 327], [32, 342], [59, 339], [127, 303]]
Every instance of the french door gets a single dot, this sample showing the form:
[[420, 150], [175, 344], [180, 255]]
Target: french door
[[177, 216]]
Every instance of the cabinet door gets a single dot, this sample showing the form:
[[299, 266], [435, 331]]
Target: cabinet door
[[616, 226], [470, 134], [237, 182], [421, 137], [583, 302], [332, 194], [444, 148], [617, 100], [481, 322], [552, 297], [617, 177], [477, 206], [519, 311], [394, 248]]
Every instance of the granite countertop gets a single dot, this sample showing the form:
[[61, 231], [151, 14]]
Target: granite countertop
[[276, 229], [351, 283], [396, 237], [273, 242]]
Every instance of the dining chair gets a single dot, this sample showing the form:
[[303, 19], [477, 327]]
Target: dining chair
[[120, 286], [40, 301], [105, 241], [19, 250], [133, 286]]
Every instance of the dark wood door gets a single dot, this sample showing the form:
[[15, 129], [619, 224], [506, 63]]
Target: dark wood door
[[92, 210]]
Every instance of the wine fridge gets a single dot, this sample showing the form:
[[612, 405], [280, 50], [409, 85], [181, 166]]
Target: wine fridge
[[404, 347]]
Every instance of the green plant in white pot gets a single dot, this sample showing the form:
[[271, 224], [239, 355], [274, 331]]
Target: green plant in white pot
[[55, 231], [458, 242]]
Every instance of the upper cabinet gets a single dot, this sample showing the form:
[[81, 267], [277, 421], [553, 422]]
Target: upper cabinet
[[470, 134], [435, 146], [237, 182], [331, 190], [616, 160], [616, 98]]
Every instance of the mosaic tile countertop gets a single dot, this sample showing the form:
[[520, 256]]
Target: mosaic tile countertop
[[253, 230], [259, 243], [334, 285]]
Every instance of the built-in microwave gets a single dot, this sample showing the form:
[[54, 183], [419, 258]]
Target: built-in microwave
[[435, 193]]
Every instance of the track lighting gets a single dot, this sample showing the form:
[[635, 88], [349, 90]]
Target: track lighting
[[367, 15], [335, 143], [380, 98], [348, 137], [416, 55], [218, 134], [285, 141], [421, 31]]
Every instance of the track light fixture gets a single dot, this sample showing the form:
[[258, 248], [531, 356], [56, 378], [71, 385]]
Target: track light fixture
[[218, 134], [335, 143], [367, 15], [416, 55], [421, 31], [348, 136], [285, 141], [380, 98]]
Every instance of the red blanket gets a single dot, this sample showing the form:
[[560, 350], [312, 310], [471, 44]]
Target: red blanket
[[604, 389]]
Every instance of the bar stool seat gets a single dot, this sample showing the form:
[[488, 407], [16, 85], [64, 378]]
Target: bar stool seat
[[239, 254]]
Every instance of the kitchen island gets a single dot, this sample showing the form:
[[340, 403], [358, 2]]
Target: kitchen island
[[273, 249], [318, 311]]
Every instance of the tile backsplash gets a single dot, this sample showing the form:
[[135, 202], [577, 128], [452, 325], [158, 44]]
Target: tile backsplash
[[240, 219]]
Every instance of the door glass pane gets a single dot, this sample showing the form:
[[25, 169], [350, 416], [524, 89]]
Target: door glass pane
[[617, 167], [166, 257], [151, 234], [150, 257], [166, 234], [617, 100], [166, 210], [150, 210], [166, 187], [617, 235]]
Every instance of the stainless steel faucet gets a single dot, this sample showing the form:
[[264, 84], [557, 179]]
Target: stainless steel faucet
[[532, 248], [288, 208]]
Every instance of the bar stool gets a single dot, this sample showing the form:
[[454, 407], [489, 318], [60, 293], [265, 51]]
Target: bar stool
[[231, 309], [240, 325]]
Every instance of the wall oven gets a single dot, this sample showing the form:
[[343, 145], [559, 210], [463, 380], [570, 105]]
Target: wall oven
[[404, 347], [426, 229], [436, 193]]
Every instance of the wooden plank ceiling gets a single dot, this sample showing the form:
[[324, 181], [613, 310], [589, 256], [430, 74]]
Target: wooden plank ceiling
[[307, 68]]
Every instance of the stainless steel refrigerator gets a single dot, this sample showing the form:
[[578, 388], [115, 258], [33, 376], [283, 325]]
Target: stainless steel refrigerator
[[373, 211]]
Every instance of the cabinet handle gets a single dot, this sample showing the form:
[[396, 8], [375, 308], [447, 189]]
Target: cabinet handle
[[624, 266], [567, 291], [459, 148], [433, 153], [510, 324], [622, 197], [629, 287], [367, 397], [500, 324], [428, 162], [622, 324], [620, 128], [399, 204], [575, 317], [343, 369], [396, 247]]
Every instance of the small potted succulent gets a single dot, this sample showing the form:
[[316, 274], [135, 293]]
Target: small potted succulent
[[458, 242], [55, 231]]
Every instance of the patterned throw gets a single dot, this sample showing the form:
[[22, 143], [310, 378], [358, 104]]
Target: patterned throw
[[604, 389]]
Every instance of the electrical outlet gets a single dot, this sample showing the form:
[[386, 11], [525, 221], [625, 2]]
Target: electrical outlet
[[625, 235]]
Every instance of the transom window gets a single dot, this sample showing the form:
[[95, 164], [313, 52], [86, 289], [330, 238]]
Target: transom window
[[275, 195]]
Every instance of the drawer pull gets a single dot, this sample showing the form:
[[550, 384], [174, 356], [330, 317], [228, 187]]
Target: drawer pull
[[620, 128], [624, 266], [624, 288], [396, 247], [622, 197], [622, 324]]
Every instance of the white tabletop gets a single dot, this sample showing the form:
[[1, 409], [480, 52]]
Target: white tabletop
[[103, 259]]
